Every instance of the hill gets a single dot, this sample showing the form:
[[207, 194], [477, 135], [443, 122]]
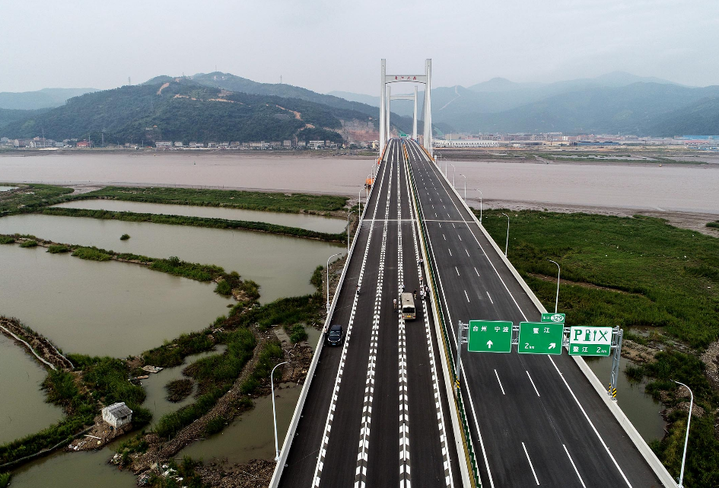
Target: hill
[[45, 98], [184, 110], [700, 118], [8, 116]]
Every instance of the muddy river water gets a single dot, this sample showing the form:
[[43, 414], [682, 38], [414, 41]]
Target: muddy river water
[[644, 186], [281, 265]]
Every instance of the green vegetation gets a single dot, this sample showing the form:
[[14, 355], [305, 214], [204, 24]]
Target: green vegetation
[[91, 254], [624, 271], [703, 455], [5, 479], [124, 237], [215, 425], [181, 111], [317, 278], [57, 249], [28, 198], [248, 200], [297, 333], [29, 244], [174, 353], [175, 266], [215, 375], [7, 239], [178, 390], [194, 222], [285, 311], [713, 224]]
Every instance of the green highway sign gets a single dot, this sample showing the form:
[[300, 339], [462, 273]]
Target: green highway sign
[[540, 338], [555, 318], [590, 341], [490, 336]]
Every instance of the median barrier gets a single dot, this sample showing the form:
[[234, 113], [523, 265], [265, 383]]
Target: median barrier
[[460, 426]]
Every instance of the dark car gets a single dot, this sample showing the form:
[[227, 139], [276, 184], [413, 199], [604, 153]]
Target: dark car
[[335, 335]]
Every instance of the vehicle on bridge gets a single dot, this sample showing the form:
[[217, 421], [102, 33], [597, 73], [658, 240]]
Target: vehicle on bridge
[[335, 336], [409, 312]]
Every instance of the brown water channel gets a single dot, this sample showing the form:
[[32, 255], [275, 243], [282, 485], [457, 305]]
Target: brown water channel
[[281, 265], [309, 222], [23, 410], [640, 408], [101, 308], [250, 436]]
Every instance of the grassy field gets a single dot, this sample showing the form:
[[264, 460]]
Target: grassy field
[[638, 273], [28, 198], [249, 200], [629, 271]]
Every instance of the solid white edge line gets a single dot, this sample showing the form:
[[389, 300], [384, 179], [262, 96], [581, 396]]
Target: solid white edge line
[[499, 381], [532, 381], [530, 463], [574, 466], [590, 422]]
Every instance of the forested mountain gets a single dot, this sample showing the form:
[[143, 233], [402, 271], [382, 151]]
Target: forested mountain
[[183, 110], [7, 116], [45, 98], [700, 118]]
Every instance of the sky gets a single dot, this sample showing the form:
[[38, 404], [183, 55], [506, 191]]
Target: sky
[[327, 45]]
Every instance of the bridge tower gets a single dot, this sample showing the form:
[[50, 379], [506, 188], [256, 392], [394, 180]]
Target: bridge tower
[[385, 97]]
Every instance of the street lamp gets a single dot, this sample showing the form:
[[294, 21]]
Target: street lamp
[[686, 439], [328, 280], [506, 246], [348, 230], [559, 270], [453, 171], [480, 205], [274, 412], [465, 186]]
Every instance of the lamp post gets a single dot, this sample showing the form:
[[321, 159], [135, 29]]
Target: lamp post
[[328, 280], [686, 439], [274, 412], [506, 246], [348, 230], [559, 270], [480, 205], [465, 186], [454, 170]]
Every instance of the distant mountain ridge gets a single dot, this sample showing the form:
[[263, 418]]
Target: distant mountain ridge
[[45, 98], [183, 109], [613, 103]]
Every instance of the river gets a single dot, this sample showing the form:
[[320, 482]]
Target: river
[[641, 186]]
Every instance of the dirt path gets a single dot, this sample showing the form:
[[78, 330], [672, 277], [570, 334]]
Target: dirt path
[[41, 348]]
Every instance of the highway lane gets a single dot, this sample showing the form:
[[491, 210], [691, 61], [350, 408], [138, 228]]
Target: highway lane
[[374, 415], [526, 419]]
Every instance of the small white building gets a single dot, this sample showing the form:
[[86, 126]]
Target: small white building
[[117, 415]]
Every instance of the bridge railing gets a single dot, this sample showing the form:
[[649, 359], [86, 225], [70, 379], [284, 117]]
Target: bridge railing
[[465, 433]]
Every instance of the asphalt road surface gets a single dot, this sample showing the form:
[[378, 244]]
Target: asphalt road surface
[[376, 414], [535, 419]]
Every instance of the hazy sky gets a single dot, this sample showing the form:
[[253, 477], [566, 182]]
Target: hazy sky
[[329, 45]]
